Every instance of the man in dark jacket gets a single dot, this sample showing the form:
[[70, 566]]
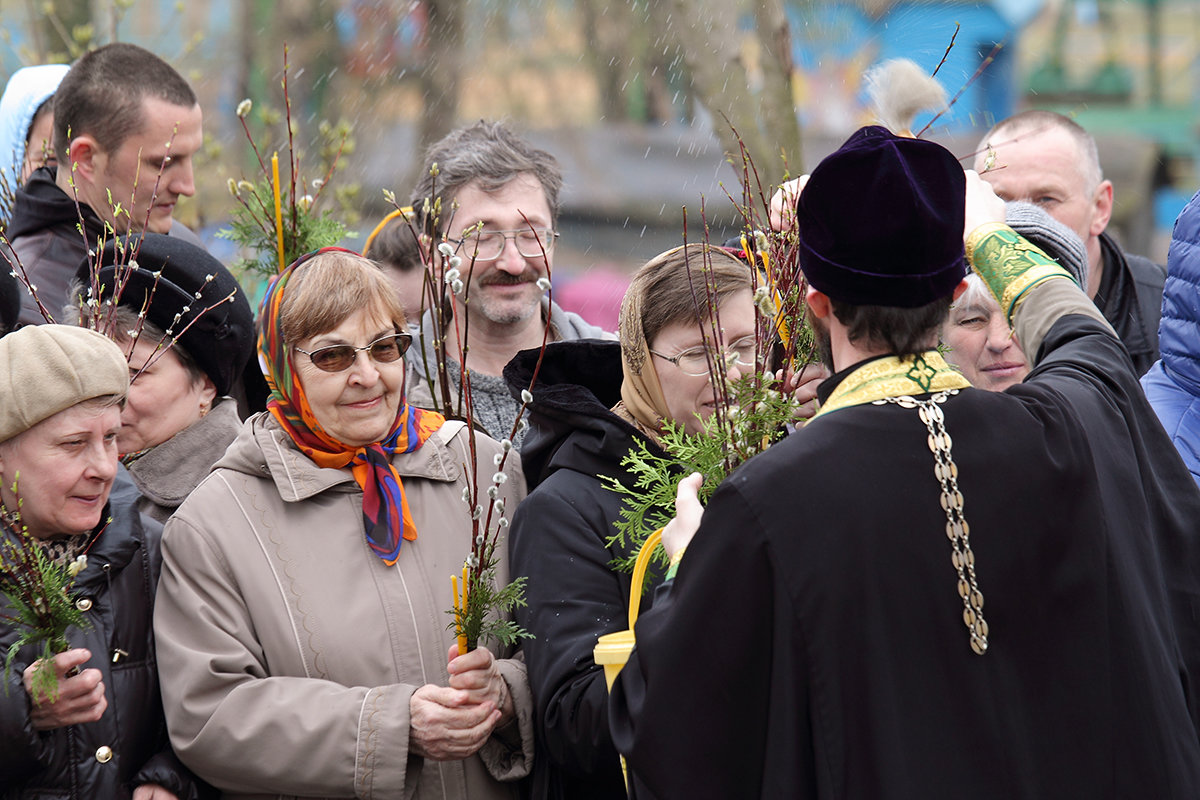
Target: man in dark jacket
[[1049, 160], [827, 634], [126, 126]]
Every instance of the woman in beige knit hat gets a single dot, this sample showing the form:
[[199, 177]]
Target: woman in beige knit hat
[[61, 392]]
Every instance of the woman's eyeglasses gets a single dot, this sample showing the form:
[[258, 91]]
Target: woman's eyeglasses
[[695, 362], [338, 357]]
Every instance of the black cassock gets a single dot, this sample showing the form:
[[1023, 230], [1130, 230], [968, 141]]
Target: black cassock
[[813, 643]]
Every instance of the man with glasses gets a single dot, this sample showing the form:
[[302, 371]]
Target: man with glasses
[[499, 202]]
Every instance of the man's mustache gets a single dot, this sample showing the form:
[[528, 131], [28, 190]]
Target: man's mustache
[[499, 278]]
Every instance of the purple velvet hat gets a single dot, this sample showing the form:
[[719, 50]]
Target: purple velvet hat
[[881, 221]]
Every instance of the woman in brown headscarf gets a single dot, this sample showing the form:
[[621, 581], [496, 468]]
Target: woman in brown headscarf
[[592, 402]]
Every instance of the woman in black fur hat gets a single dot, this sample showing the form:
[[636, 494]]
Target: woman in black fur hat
[[186, 327]]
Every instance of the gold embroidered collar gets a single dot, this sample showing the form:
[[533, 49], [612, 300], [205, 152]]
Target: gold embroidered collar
[[893, 376]]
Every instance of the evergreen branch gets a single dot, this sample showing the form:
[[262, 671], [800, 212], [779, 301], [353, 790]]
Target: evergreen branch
[[757, 417], [39, 604]]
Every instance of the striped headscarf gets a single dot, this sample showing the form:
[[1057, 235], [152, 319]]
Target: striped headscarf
[[386, 515]]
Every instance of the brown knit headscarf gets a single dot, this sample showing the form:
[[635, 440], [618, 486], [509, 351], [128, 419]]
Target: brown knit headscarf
[[670, 288]]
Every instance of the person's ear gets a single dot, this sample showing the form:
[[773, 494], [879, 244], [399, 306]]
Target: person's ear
[[208, 392], [1102, 207], [818, 302], [85, 158], [958, 290]]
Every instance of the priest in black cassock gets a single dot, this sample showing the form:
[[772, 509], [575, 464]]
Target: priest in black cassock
[[932, 590]]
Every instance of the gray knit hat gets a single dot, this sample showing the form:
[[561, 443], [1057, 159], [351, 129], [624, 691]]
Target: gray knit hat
[[45, 369], [1057, 240]]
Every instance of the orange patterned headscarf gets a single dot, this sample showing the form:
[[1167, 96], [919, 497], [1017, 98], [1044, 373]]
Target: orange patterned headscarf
[[386, 514]]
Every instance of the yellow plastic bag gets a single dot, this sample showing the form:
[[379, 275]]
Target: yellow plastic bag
[[613, 649]]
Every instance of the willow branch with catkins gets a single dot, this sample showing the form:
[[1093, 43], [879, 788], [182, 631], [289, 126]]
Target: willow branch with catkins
[[480, 608], [305, 227]]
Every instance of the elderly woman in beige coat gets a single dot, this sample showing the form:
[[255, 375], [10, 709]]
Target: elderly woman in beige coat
[[302, 613]]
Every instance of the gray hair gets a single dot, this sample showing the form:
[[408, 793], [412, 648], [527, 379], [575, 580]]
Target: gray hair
[[487, 152], [976, 295], [1038, 121]]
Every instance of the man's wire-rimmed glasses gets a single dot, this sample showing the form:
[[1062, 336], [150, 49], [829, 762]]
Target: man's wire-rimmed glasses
[[489, 245]]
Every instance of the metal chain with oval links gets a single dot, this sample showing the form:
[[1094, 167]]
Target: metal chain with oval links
[[957, 529]]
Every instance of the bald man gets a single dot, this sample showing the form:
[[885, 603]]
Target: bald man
[[1049, 160]]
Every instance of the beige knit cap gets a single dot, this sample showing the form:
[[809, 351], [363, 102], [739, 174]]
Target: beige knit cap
[[45, 369]]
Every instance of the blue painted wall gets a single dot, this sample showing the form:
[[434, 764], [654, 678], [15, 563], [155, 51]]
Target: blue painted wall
[[920, 31]]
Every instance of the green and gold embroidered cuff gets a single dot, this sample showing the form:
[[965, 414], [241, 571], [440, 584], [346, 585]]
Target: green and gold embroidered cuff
[[674, 565], [1009, 264]]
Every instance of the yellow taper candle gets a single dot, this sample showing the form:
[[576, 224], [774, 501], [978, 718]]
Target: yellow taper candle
[[785, 333], [278, 208], [459, 607], [462, 634]]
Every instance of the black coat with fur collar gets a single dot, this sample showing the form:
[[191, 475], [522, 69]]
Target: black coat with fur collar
[[128, 745], [558, 541]]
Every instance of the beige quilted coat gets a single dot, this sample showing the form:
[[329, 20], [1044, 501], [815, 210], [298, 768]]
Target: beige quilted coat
[[289, 651]]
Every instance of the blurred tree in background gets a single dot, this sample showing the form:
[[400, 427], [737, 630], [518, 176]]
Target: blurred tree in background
[[744, 81]]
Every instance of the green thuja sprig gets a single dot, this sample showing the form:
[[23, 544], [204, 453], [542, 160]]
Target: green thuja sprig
[[480, 621], [252, 226], [39, 607], [758, 416]]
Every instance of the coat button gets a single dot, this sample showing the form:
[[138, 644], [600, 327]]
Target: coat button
[[104, 754], [83, 604]]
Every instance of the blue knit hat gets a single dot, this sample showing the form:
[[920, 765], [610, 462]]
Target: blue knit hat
[[27, 90]]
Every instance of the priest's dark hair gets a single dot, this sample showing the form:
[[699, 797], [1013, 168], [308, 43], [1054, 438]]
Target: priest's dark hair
[[901, 331], [101, 96]]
